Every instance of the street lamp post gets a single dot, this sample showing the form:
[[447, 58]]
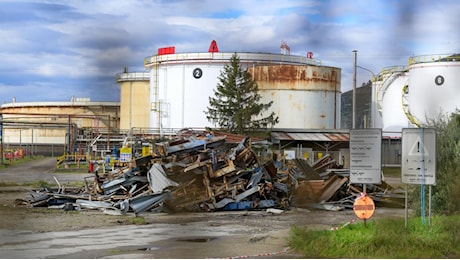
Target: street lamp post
[[373, 74], [353, 117]]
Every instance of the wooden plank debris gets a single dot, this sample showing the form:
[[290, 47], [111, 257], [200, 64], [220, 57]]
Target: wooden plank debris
[[201, 172]]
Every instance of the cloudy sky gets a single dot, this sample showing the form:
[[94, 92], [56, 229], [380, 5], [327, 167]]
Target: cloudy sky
[[52, 50]]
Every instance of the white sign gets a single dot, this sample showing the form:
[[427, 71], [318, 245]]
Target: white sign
[[418, 158], [290, 155], [366, 156]]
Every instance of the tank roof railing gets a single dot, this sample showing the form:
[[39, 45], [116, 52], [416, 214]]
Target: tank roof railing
[[434, 58], [225, 57], [130, 76], [393, 69]]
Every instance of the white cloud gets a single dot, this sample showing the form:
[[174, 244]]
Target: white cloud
[[93, 40]]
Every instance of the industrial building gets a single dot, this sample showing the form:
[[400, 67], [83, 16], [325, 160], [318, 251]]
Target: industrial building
[[173, 92], [56, 128]]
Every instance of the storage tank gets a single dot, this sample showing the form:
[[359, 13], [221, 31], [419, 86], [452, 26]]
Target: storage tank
[[433, 87], [134, 99], [388, 113], [181, 84], [304, 96]]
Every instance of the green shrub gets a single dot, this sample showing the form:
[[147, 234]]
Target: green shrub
[[446, 192]]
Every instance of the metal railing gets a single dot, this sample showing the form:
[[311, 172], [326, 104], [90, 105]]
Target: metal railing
[[71, 158], [130, 76], [244, 57], [433, 58]]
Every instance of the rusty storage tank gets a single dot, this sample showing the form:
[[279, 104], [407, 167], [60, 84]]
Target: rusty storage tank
[[181, 84], [134, 99], [304, 96]]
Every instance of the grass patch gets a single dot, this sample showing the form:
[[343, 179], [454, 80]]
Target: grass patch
[[138, 220], [391, 171], [385, 238], [39, 184], [7, 163], [8, 184]]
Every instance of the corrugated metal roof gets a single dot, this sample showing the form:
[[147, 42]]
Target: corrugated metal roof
[[328, 137]]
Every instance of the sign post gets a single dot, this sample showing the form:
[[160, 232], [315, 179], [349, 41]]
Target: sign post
[[365, 166], [364, 207], [366, 156], [418, 162]]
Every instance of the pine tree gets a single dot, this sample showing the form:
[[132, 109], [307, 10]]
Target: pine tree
[[235, 105]]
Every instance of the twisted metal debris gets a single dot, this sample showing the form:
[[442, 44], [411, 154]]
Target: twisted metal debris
[[206, 173]]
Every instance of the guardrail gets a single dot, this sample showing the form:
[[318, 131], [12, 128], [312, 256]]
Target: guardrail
[[225, 57], [71, 158], [433, 58]]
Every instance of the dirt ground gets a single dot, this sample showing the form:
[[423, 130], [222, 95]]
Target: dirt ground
[[236, 234]]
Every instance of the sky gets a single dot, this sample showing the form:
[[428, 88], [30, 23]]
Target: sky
[[53, 50]]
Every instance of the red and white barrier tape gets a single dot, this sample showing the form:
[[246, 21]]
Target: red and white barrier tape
[[344, 225], [257, 255]]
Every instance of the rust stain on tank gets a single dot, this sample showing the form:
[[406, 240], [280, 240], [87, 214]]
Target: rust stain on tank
[[293, 103], [296, 77]]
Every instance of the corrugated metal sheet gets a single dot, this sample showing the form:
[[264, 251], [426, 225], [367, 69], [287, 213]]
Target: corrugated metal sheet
[[328, 137]]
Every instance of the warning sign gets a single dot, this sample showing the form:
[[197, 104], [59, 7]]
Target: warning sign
[[418, 157], [364, 207]]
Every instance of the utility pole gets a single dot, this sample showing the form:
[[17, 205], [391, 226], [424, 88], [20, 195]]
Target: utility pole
[[353, 123]]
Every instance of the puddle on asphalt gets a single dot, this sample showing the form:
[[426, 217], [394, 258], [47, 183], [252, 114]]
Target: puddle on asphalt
[[196, 239], [148, 248], [183, 239]]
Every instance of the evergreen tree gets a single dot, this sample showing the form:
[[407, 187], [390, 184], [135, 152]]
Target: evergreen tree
[[235, 106]]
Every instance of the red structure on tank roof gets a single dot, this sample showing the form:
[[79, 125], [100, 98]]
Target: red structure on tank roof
[[213, 47]]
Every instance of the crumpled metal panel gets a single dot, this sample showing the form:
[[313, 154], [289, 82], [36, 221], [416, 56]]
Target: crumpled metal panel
[[125, 180], [143, 203], [255, 179], [158, 180], [89, 204]]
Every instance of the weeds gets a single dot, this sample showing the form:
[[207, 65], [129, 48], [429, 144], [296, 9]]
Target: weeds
[[138, 220], [386, 238]]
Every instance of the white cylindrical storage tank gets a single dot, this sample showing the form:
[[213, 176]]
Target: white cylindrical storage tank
[[304, 96], [433, 86], [181, 84], [388, 98]]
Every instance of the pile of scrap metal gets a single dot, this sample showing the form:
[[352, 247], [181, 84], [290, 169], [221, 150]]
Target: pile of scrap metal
[[326, 185], [204, 172], [197, 173]]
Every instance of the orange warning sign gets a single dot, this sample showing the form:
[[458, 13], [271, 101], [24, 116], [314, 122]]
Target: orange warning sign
[[364, 207]]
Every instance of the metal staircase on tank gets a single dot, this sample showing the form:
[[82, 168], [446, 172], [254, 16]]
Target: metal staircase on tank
[[405, 106], [394, 72]]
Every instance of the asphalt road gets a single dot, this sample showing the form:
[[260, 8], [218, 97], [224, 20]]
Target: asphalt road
[[39, 170]]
